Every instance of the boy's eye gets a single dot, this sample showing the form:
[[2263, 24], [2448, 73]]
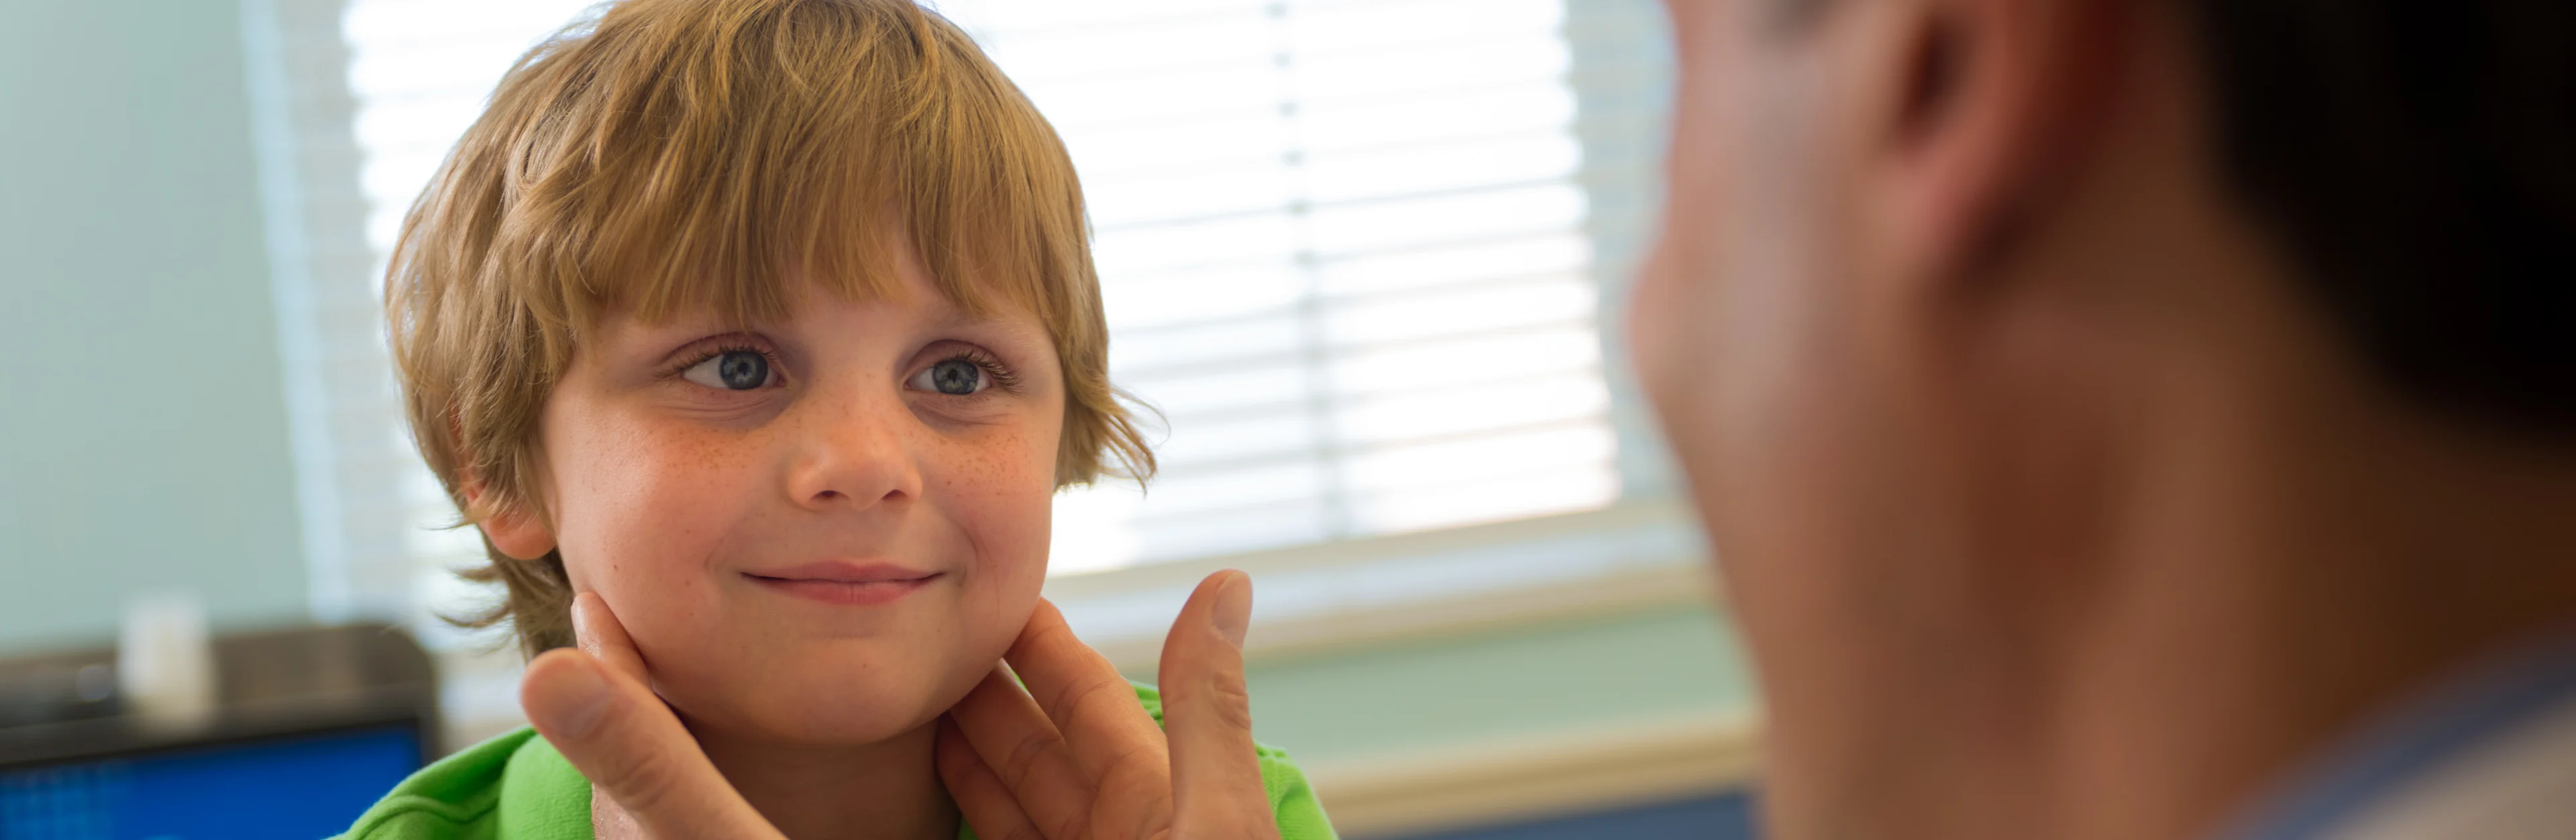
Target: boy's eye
[[732, 370], [955, 377]]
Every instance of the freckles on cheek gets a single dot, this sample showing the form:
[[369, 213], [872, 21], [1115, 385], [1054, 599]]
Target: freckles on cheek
[[1000, 491], [1006, 462], [642, 503]]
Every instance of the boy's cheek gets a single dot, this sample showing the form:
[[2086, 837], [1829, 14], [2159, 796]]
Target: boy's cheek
[[1008, 535], [645, 524], [1006, 523]]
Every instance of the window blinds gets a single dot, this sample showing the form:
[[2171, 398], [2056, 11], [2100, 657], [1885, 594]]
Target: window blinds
[[1343, 248], [419, 72]]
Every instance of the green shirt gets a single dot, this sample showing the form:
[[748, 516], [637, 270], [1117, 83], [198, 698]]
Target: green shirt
[[516, 787]]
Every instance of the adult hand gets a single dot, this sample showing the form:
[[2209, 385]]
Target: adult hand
[[1069, 767], [648, 777], [1074, 758]]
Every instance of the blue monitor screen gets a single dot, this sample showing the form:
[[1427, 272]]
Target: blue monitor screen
[[303, 787]]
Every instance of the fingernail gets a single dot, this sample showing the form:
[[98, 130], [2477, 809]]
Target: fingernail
[[570, 701], [1232, 612]]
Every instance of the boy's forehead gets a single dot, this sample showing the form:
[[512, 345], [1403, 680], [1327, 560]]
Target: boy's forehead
[[800, 298]]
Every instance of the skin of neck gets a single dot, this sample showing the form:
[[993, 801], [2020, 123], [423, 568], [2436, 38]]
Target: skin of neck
[[888, 789], [2188, 542]]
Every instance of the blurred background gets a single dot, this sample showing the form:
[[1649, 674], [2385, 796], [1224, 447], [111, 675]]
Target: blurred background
[[1368, 256]]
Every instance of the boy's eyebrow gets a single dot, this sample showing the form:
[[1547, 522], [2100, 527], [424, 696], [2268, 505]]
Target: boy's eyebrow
[[957, 318], [683, 348], [949, 315]]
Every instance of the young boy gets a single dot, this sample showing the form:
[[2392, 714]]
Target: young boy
[[773, 324]]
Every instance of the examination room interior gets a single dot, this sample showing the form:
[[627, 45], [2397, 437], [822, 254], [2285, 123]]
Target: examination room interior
[[1368, 258]]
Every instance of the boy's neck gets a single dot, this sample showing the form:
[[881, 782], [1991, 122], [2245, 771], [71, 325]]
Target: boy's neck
[[889, 789]]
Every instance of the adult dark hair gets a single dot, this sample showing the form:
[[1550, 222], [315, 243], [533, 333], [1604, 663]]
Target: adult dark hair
[[2418, 160]]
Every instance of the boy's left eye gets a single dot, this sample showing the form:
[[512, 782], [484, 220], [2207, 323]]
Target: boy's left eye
[[954, 377], [732, 370]]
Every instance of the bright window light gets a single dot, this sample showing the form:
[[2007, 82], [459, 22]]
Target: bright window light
[[1344, 251]]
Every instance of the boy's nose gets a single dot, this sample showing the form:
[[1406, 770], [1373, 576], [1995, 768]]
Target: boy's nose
[[852, 460]]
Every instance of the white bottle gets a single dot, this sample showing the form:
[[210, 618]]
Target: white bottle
[[165, 663]]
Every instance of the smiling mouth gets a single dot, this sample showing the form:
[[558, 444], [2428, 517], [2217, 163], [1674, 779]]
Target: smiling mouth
[[855, 593]]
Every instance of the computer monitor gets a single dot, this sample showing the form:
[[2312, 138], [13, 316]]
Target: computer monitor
[[310, 726], [304, 785]]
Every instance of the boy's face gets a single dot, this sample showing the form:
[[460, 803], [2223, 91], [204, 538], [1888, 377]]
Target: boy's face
[[819, 531]]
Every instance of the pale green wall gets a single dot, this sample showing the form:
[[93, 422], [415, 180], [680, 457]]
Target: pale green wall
[[142, 433], [1444, 692]]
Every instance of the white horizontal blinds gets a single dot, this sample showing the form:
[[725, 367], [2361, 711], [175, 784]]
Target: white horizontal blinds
[[1345, 249], [1622, 80], [420, 71], [339, 392]]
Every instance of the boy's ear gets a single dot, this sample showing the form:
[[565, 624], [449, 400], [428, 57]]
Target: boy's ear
[[509, 526]]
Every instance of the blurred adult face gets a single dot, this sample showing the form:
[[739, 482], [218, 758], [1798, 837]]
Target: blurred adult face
[[1766, 326]]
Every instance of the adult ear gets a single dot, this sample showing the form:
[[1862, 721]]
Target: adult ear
[[1974, 112], [509, 524]]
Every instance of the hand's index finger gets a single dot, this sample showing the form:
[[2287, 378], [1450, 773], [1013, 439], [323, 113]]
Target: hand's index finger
[[633, 749], [1078, 688], [1016, 745], [595, 628], [597, 709], [1110, 736]]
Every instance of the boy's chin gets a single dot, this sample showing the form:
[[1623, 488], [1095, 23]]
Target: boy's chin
[[824, 710]]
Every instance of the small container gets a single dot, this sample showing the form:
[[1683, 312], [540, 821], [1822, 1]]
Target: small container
[[165, 662]]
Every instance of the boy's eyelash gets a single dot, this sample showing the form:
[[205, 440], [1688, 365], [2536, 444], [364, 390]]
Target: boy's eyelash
[[992, 366], [1002, 376], [776, 367]]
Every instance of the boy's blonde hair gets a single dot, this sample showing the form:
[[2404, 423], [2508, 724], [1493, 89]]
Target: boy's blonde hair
[[679, 154]]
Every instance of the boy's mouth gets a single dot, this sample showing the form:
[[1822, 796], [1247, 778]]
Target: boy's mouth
[[845, 583]]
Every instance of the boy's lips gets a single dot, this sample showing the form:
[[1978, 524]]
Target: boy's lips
[[845, 583]]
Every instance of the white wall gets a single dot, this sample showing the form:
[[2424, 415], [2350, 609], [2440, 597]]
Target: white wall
[[143, 438]]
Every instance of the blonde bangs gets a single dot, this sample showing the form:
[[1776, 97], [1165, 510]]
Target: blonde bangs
[[720, 155], [698, 155]]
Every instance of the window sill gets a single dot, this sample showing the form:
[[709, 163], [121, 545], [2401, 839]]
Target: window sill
[[1543, 775], [1632, 556]]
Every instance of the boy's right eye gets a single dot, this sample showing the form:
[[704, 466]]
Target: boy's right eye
[[732, 370]]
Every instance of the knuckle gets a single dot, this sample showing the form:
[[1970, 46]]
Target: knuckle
[[642, 785], [1232, 701], [1022, 760], [1249, 827], [1039, 636], [1139, 783], [1074, 701], [1072, 824], [1223, 694], [1140, 758]]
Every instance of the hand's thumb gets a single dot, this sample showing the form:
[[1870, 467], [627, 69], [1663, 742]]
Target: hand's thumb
[[1207, 716], [633, 749]]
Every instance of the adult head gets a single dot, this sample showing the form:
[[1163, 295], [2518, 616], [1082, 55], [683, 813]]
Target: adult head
[[2099, 406]]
